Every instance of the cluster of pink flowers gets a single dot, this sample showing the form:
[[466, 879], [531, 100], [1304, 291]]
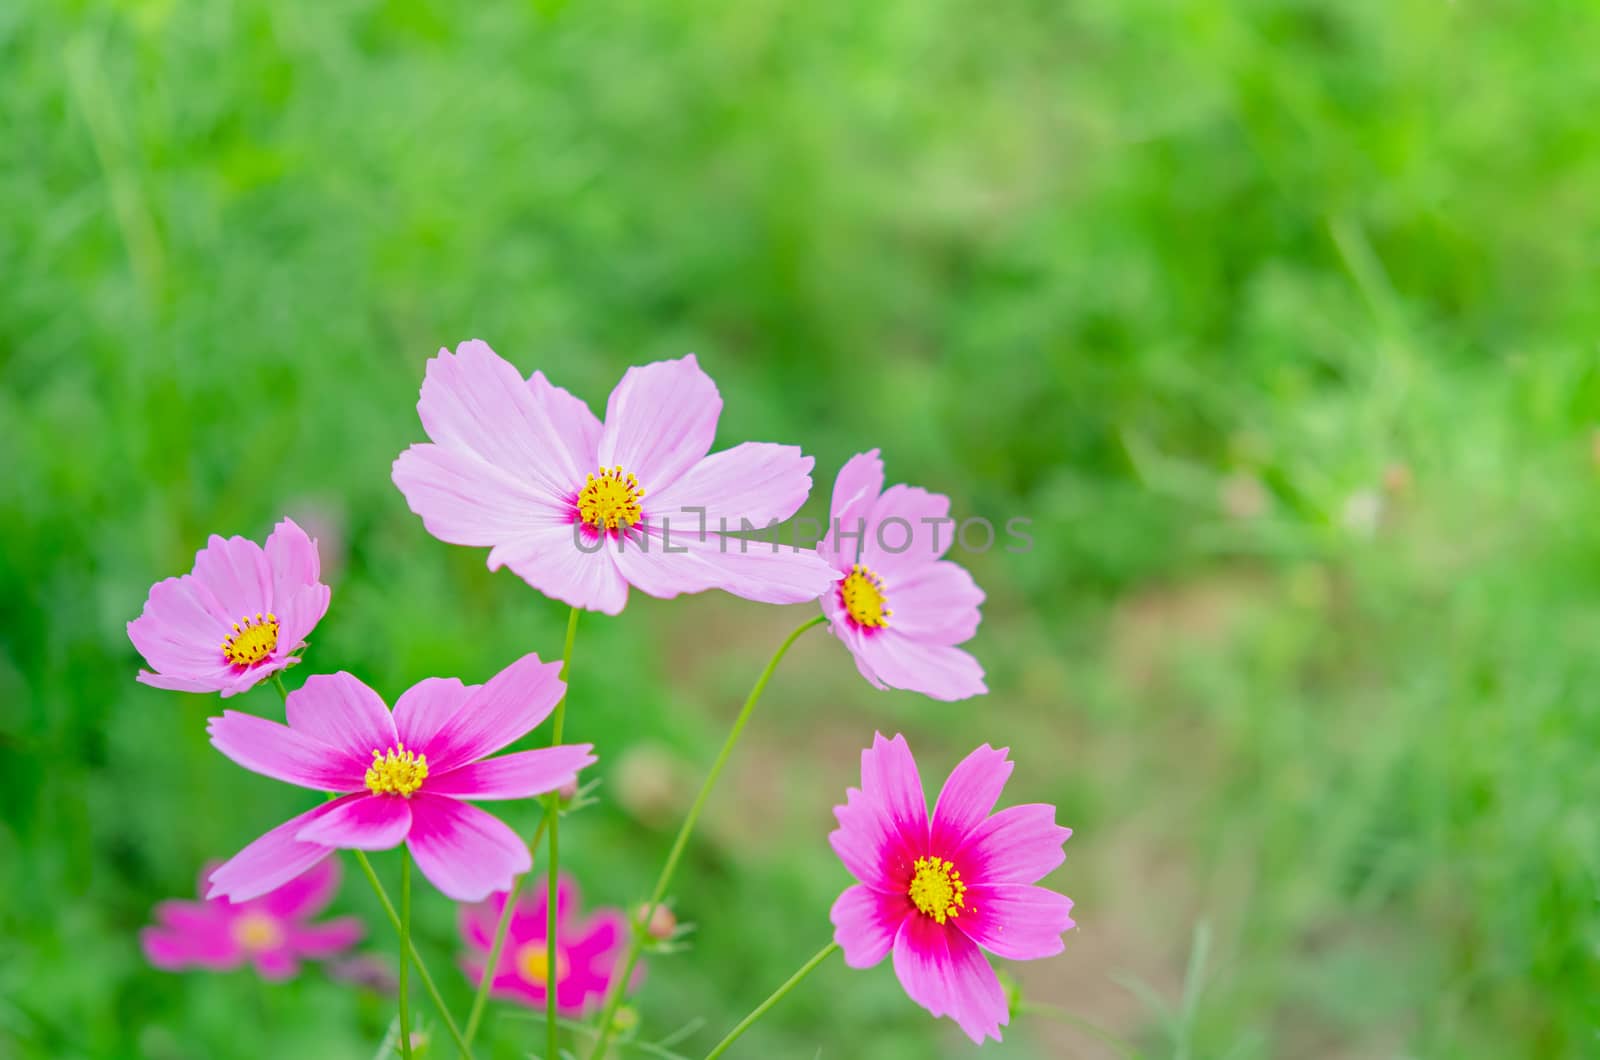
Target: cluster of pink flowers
[[582, 509]]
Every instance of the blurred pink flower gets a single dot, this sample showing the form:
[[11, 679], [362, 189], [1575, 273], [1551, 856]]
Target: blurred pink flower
[[900, 610], [237, 618], [402, 776], [586, 950], [272, 932], [934, 891], [581, 510]]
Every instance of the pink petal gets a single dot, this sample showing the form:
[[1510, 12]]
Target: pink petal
[[748, 568], [751, 484], [283, 753], [466, 853], [854, 492], [936, 670], [292, 556], [298, 615], [1020, 844], [465, 500], [269, 862], [890, 780], [1016, 921], [181, 684], [478, 921], [235, 571], [307, 894], [193, 918], [275, 965], [599, 936], [944, 971], [327, 939], [660, 421], [936, 603], [532, 915], [424, 708], [171, 951], [504, 709], [515, 776], [865, 922], [572, 421], [361, 822], [341, 712], [552, 561], [969, 795], [883, 826], [907, 542], [176, 634]]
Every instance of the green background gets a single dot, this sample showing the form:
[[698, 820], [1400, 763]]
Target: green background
[[1279, 319]]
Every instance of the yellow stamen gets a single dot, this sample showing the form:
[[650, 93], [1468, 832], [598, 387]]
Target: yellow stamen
[[257, 932], [397, 772], [863, 596], [610, 499], [936, 889], [533, 963], [252, 639]]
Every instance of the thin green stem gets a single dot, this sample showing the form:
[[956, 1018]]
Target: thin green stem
[[1061, 1015], [777, 996], [416, 958], [637, 936], [405, 953], [553, 816], [482, 999], [277, 679]]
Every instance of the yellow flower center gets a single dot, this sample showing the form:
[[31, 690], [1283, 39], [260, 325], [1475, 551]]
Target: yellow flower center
[[397, 771], [533, 963], [252, 640], [257, 931], [862, 592], [610, 499], [936, 889]]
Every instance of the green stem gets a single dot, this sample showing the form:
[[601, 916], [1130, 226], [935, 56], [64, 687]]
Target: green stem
[[553, 816], [416, 958], [482, 999], [777, 996], [1061, 1015], [405, 952], [637, 936], [277, 679]]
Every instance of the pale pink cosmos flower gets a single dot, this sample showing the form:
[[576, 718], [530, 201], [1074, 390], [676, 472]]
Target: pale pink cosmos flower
[[237, 618], [935, 891], [587, 949], [581, 510], [274, 932], [899, 607], [401, 776]]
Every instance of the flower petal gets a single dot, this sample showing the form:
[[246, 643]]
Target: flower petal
[[361, 822], [465, 852], [298, 615], [568, 563], [938, 671], [855, 491], [573, 423], [285, 754], [936, 603], [515, 776], [327, 939], [908, 528], [664, 565], [173, 951], [292, 555], [235, 571], [307, 894], [752, 484], [865, 922], [275, 965], [424, 708], [969, 795], [1016, 921], [504, 709], [341, 712], [465, 500], [1019, 844], [271, 861], [944, 971], [660, 420], [883, 826]]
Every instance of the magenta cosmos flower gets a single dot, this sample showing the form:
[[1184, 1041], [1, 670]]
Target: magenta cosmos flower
[[238, 617], [581, 510], [899, 608], [273, 932], [935, 891], [401, 777], [586, 949]]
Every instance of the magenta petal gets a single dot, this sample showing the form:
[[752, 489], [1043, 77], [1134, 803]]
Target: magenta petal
[[277, 751], [181, 684], [552, 561], [515, 776], [1016, 921], [936, 670], [747, 486], [275, 965], [361, 822], [465, 500], [854, 492], [478, 921], [504, 709], [969, 795], [865, 922], [327, 939], [936, 603], [533, 913], [465, 852], [1020, 844], [424, 708], [874, 850], [944, 971], [292, 555], [171, 951], [269, 862], [339, 711], [235, 571], [889, 779], [298, 615], [660, 420], [307, 894]]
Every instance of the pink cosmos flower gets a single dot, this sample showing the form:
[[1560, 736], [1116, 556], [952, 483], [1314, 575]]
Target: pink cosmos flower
[[935, 891], [273, 932], [581, 510], [401, 776], [586, 950], [238, 617], [900, 609]]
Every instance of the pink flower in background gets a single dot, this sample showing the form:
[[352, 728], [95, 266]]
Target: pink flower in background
[[581, 510], [899, 608], [238, 617], [934, 891], [586, 950], [401, 776], [273, 932]]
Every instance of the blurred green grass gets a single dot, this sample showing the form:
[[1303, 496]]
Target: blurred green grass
[[1278, 320]]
